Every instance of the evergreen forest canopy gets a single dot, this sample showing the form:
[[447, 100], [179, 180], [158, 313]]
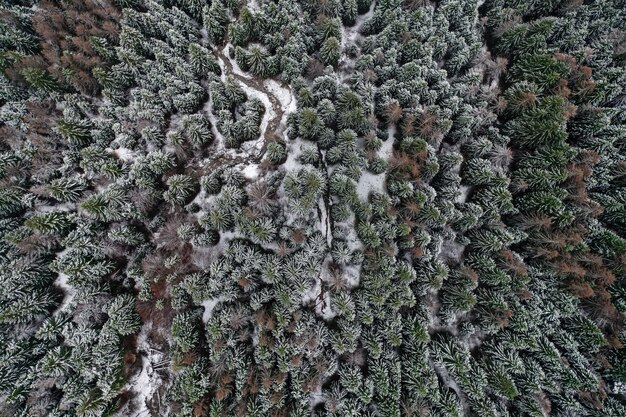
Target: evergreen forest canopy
[[327, 208]]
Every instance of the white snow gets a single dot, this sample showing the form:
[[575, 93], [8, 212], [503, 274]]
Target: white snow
[[124, 154], [204, 35], [316, 397], [202, 257], [57, 207], [253, 5], [236, 69], [451, 251], [352, 240], [200, 198], [321, 299], [353, 33], [462, 198], [145, 384], [222, 65], [294, 149], [284, 95], [324, 223], [142, 384], [286, 98], [69, 292], [209, 305], [386, 150], [288, 104], [475, 340], [352, 275], [250, 171], [369, 182], [225, 238]]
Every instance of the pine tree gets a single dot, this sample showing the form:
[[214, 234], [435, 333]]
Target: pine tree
[[180, 189], [40, 80], [54, 222], [350, 11], [198, 129], [330, 51], [276, 152], [122, 315], [76, 132], [67, 189], [215, 18], [309, 125], [185, 331]]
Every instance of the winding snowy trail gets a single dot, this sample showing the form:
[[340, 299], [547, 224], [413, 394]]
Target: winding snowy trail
[[276, 96]]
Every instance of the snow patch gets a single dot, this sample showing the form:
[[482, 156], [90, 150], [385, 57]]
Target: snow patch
[[146, 383], [369, 182], [316, 397], [62, 282], [253, 5], [284, 95], [251, 171], [236, 69], [352, 240], [294, 150], [462, 198], [209, 305], [452, 251], [353, 33], [66, 207], [68, 291], [352, 275], [124, 154], [386, 150], [324, 222], [225, 239], [318, 296]]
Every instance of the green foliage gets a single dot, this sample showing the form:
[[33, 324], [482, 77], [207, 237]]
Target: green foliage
[[40, 80], [76, 132], [54, 222], [337, 208], [122, 315], [185, 331], [180, 188], [330, 51], [67, 189]]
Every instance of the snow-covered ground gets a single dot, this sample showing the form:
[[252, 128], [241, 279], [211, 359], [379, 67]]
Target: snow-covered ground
[[209, 305], [324, 222], [317, 296], [123, 154], [274, 96], [462, 198], [369, 182], [294, 150], [62, 282], [352, 34], [250, 170], [386, 150], [286, 98], [145, 383], [68, 291]]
